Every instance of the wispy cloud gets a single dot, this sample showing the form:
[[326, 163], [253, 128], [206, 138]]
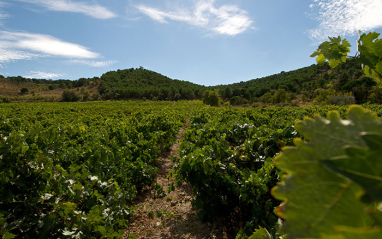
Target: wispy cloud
[[8, 55], [13, 43], [345, 17], [92, 10], [225, 20], [26, 46], [93, 63], [42, 75]]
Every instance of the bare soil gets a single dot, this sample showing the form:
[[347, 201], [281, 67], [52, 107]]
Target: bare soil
[[173, 215]]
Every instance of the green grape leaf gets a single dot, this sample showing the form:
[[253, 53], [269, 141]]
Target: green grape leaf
[[355, 233], [368, 57], [102, 230], [335, 40], [367, 40], [333, 63], [8, 235], [378, 48], [378, 68], [367, 70], [346, 44], [370, 49], [335, 51], [321, 59], [362, 167], [318, 200], [261, 233]]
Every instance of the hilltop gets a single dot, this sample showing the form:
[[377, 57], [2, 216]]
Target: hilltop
[[141, 83]]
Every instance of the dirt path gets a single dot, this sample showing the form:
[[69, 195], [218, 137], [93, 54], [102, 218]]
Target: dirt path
[[173, 215]]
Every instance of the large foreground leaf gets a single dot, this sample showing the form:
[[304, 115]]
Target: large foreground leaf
[[321, 196], [362, 166]]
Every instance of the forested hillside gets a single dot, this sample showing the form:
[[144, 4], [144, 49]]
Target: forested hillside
[[317, 84], [140, 83]]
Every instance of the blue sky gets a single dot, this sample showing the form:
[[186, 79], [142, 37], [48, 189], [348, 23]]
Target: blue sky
[[207, 42]]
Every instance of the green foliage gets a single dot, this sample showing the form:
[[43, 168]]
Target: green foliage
[[370, 48], [336, 51], [341, 100], [261, 233], [24, 91], [281, 96], [226, 156], [277, 96], [70, 96], [369, 53], [138, 83], [212, 98], [376, 95], [5, 100], [71, 170], [238, 100], [321, 96], [228, 93], [333, 186], [363, 81], [305, 80]]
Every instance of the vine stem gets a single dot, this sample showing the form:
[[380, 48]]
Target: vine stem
[[379, 74]]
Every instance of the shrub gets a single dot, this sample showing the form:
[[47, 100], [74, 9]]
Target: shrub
[[6, 100], [322, 95], [280, 96], [238, 100], [69, 96], [341, 100], [376, 95], [24, 91]]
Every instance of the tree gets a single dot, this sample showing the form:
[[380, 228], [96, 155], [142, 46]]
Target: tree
[[24, 91], [228, 93], [212, 98]]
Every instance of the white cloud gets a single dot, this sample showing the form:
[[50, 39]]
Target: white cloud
[[153, 13], [345, 17], [92, 10], [27, 46], [225, 20], [94, 63], [19, 45], [7, 55], [42, 75]]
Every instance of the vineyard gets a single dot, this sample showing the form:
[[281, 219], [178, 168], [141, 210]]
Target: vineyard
[[73, 170]]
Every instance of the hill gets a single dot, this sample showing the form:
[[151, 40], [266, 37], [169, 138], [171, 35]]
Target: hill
[[20, 89], [140, 83], [131, 83], [304, 84], [315, 83]]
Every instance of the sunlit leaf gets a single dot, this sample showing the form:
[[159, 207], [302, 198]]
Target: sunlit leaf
[[321, 59], [317, 199]]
